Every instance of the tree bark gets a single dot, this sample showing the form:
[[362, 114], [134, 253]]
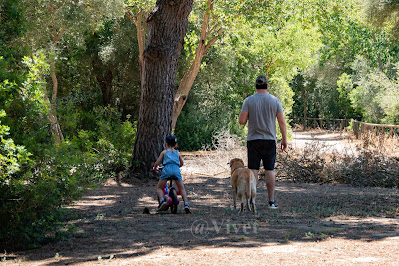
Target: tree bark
[[305, 111], [55, 127], [167, 27]]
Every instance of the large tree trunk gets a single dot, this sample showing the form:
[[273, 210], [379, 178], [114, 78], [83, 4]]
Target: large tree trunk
[[167, 27]]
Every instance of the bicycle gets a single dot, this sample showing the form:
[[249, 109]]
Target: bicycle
[[171, 192]]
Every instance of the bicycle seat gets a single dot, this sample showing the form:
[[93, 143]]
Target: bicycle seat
[[172, 178]]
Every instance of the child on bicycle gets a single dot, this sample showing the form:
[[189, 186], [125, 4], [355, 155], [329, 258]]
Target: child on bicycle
[[172, 161]]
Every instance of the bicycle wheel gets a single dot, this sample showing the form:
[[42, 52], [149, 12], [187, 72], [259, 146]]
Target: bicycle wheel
[[173, 195]]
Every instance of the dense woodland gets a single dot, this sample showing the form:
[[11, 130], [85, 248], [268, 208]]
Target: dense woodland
[[72, 75]]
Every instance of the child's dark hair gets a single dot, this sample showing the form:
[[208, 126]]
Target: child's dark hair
[[171, 140]]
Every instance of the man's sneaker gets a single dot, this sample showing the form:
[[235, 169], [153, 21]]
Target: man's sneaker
[[272, 205], [187, 208], [163, 205]]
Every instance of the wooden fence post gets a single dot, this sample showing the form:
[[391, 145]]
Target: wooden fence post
[[355, 127]]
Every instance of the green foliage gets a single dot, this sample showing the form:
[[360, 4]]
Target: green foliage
[[12, 156], [33, 198], [376, 95], [34, 192], [140, 4], [112, 138], [384, 14], [103, 71], [76, 17], [321, 50], [12, 28], [204, 115], [345, 86], [34, 195], [27, 106]]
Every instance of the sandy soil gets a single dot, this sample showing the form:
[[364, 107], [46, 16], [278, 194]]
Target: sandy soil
[[341, 142], [315, 224]]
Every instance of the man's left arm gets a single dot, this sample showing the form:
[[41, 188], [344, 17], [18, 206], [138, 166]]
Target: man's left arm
[[283, 130]]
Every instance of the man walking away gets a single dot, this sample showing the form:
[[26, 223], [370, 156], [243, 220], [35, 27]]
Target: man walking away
[[261, 111]]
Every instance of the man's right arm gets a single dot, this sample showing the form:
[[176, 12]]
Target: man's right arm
[[283, 130], [242, 119]]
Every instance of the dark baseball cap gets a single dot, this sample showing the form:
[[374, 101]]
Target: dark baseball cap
[[171, 139], [261, 80]]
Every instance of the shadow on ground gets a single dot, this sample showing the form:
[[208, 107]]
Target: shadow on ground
[[110, 224]]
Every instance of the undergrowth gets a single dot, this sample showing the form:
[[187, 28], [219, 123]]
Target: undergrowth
[[373, 163]]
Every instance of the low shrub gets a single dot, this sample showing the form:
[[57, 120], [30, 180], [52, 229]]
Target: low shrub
[[373, 164], [34, 194]]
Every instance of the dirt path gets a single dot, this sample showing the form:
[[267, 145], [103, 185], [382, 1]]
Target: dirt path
[[322, 224], [315, 224], [328, 141]]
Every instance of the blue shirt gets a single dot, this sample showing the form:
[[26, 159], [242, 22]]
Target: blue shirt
[[171, 165]]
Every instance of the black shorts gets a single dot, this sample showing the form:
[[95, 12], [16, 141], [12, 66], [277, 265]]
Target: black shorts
[[264, 150]]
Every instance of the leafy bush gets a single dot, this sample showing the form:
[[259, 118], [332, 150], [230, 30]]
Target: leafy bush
[[196, 129], [27, 107], [111, 138], [11, 156], [35, 188], [33, 198]]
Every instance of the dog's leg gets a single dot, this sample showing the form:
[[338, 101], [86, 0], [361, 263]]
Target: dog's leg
[[240, 197], [235, 198], [249, 204], [242, 208], [253, 194], [248, 193], [253, 205]]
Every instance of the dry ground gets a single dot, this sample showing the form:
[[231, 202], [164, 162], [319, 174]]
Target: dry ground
[[315, 224]]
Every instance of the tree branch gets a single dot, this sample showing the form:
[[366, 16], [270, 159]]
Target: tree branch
[[269, 65], [57, 36], [130, 15], [212, 41], [53, 8]]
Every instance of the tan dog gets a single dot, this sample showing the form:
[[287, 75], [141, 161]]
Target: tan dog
[[243, 183]]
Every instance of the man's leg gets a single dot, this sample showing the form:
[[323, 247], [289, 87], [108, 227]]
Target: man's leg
[[270, 183], [256, 176], [269, 159]]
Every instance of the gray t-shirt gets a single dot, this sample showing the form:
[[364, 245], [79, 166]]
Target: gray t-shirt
[[262, 110]]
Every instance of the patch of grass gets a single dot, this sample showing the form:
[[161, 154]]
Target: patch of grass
[[229, 211], [100, 217], [292, 234], [239, 238]]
